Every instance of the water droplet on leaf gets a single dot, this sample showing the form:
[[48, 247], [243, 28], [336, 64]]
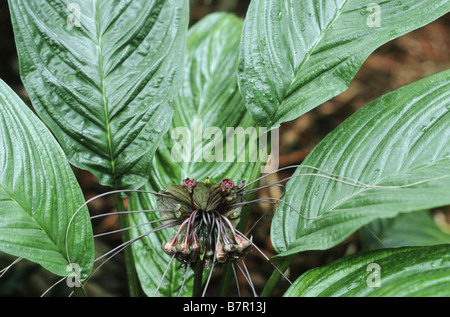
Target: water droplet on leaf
[[316, 192], [263, 41], [377, 171]]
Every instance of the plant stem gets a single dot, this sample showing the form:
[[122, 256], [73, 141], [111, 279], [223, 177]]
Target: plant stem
[[198, 281], [133, 281], [224, 287], [275, 277], [227, 272], [79, 292]]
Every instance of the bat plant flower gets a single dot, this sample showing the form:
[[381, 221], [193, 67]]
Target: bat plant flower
[[208, 213], [204, 216]]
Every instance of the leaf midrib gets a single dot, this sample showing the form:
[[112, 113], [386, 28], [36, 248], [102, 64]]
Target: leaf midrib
[[103, 88], [306, 59], [43, 230]]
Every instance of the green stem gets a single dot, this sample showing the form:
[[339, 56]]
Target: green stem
[[133, 281], [79, 292], [198, 281], [275, 277], [227, 272], [227, 277]]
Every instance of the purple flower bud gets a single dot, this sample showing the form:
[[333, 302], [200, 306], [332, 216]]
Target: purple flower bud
[[195, 245], [189, 184], [226, 184]]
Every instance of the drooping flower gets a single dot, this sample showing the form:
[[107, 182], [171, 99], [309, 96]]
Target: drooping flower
[[208, 213]]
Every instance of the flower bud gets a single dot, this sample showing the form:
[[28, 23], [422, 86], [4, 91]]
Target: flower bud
[[221, 256], [230, 198], [178, 211], [170, 247], [226, 184], [235, 214], [195, 245], [189, 184], [183, 247], [242, 243], [229, 247]]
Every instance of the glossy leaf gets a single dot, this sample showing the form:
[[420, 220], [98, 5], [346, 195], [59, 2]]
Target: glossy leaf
[[209, 98], [401, 140], [403, 272], [151, 262], [208, 102], [39, 194], [295, 55], [412, 229], [102, 75]]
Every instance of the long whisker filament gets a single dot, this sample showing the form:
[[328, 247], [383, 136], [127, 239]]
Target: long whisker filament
[[265, 256], [236, 280], [209, 278], [132, 227], [246, 276], [128, 212], [273, 200], [164, 275], [186, 273], [127, 243], [3, 271]]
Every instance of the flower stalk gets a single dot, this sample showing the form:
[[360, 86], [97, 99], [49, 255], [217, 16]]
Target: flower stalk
[[133, 280], [207, 214]]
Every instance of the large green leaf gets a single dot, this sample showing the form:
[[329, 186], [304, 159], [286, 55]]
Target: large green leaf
[[39, 194], [400, 139], [209, 98], [295, 55], [411, 229], [150, 261], [403, 272], [105, 87], [209, 93]]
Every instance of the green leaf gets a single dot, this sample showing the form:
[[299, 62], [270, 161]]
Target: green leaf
[[150, 260], [210, 94], [105, 88], [209, 99], [413, 229], [403, 272], [39, 194], [398, 140], [295, 55]]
